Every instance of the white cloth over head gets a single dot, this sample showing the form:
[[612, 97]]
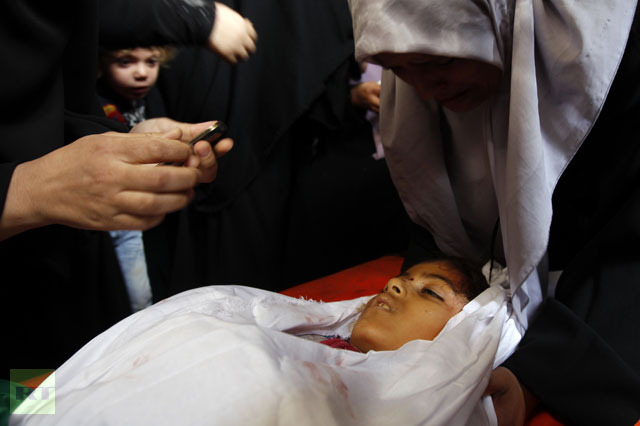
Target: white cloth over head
[[229, 355], [504, 158]]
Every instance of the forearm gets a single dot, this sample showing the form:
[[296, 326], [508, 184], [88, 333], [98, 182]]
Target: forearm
[[126, 23]]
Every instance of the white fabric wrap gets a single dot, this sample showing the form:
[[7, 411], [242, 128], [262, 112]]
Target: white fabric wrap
[[226, 355], [559, 58]]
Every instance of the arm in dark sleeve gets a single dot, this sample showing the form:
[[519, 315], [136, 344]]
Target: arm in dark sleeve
[[125, 23], [581, 354], [6, 172], [574, 372], [79, 125]]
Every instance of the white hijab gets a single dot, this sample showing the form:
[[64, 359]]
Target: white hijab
[[559, 58]]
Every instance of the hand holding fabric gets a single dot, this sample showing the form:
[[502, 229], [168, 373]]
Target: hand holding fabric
[[233, 37], [508, 397]]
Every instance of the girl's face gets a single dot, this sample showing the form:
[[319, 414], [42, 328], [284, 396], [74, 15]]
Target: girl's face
[[414, 305], [457, 84], [131, 73]]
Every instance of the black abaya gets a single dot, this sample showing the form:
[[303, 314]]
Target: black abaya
[[581, 354], [62, 286], [257, 224]]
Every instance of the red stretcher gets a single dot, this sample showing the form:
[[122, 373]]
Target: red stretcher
[[367, 279]]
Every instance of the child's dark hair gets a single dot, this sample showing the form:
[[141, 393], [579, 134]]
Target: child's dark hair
[[474, 280]]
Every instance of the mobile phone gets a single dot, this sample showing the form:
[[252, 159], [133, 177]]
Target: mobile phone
[[211, 134]]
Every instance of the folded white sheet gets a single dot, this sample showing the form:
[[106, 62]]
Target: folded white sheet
[[228, 355]]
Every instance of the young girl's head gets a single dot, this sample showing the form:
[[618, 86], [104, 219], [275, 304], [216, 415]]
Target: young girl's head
[[131, 73], [417, 304]]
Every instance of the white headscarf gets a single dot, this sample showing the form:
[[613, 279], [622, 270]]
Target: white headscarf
[[559, 58]]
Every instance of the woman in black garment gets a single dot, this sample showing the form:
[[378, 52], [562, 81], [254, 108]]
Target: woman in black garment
[[521, 119], [300, 195], [61, 189]]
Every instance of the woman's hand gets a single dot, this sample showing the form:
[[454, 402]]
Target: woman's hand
[[508, 397]]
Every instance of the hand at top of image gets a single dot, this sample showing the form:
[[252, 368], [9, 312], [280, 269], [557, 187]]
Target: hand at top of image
[[233, 37]]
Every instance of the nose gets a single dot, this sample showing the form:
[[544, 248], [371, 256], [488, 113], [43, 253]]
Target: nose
[[395, 287], [140, 72]]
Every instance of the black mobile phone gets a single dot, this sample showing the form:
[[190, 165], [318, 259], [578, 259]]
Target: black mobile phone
[[211, 134]]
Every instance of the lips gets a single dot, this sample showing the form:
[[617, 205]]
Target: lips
[[384, 302], [138, 92]]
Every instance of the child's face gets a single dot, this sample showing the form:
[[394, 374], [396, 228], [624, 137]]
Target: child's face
[[131, 73], [414, 305]]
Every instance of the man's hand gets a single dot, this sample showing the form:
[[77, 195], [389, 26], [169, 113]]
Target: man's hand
[[203, 157], [108, 181], [508, 397], [233, 37]]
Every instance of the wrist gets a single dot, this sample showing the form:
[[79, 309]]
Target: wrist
[[20, 211]]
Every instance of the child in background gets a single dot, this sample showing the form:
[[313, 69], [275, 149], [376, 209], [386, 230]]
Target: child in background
[[127, 92], [126, 89], [126, 83]]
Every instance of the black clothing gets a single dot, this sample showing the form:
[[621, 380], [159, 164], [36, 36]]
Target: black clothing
[[267, 221], [63, 286], [344, 208], [581, 354], [152, 105], [124, 24]]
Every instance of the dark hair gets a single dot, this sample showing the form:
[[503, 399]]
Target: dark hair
[[474, 281]]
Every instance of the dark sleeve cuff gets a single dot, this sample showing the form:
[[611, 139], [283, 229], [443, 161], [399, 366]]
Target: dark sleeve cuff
[[573, 372], [6, 172]]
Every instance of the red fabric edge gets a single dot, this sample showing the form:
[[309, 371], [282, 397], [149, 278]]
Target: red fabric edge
[[360, 280], [366, 279]]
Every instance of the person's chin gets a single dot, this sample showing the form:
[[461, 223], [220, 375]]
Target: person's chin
[[136, 94], [461, 102]]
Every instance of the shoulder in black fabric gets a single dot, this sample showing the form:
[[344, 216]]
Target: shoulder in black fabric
[[300, 44]]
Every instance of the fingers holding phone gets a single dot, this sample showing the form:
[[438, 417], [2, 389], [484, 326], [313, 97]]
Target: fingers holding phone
[[208, 146]]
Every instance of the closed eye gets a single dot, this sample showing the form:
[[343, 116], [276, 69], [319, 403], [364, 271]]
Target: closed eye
[[428, 291]]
